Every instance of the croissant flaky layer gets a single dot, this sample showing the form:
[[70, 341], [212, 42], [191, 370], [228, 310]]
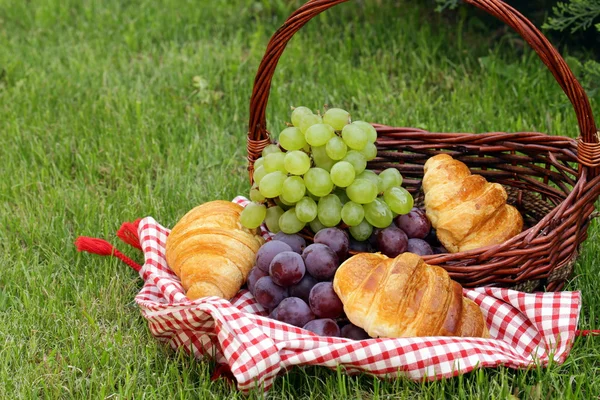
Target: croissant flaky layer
[[404, 297], [467, 211], [210, 251]]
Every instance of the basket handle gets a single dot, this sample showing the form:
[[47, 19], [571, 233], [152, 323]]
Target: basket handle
[[258, 136]]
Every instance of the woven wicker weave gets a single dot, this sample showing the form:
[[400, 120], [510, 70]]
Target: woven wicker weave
[[553, 181]]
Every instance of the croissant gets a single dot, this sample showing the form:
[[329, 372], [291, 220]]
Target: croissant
[[210, 251], [404, 297], [466, 210]]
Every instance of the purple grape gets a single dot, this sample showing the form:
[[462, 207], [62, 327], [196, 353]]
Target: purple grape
[[415, 224], [273, 313], [268, 294], [254, 275], [302, 288], [287, 268], [420, 247], [372, 240], [294, 311], [362, 247], [352, 331], [324, 302], [432, 238], [321, 262], [296, 242], [268, 251], [439, 250], [336, 239], [323, 327], [392, 241]]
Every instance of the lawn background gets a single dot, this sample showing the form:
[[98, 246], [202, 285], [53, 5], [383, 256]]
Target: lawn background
[[103, 121]]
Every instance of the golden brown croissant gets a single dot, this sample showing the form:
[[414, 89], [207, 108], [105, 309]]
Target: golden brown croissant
[[210, 251], [404, 297], [466, 210]]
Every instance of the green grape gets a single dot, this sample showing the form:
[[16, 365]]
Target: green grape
[[378, 214], [379, 186], [286, 205], [316, 225], [306, 148], [321, 158], [298, 113], [390, 177], [308, 120], [398, 199], [312, 196], [259, 173], [362, 191], [370, 151], [259, 162], [352, 213], [274, 162], [354, 137], [369, 130], [319, 134], [329, 210], [255, 194], [289, 223], [280, 203], [270, 149], [293, 189], [253, 215], [292, 139], [272, 218], [342, 174], [271, 185], [357, 160], [362, 231], [306, 209], [296, 162], [341, 194], [371, 176], [337, 118], [336, 149], [318, 182]]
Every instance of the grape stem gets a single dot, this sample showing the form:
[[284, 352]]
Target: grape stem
[[271, 203]]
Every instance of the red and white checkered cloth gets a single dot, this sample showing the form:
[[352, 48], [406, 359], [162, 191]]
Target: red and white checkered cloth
[[525, 329]]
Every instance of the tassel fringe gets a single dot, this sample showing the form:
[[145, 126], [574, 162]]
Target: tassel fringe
[[103, 248], [128, 233]]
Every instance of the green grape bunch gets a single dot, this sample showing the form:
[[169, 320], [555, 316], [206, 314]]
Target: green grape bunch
[[317, 177]]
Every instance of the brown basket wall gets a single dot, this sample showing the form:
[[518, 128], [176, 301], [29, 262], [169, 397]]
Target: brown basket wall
[[553, 181]]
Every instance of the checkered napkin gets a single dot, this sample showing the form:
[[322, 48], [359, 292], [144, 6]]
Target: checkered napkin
[[525, 329]]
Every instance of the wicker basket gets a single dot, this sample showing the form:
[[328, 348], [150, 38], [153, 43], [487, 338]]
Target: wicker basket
[[553, 181]]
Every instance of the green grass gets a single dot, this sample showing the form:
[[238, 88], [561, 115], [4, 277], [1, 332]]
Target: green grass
[[100, 123]]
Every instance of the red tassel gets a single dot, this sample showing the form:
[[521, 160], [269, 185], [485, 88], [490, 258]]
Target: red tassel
[[94, 246], [128, 232], [589, 332], [103, 248]]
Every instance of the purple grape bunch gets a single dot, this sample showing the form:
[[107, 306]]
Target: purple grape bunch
[[293, 281]]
